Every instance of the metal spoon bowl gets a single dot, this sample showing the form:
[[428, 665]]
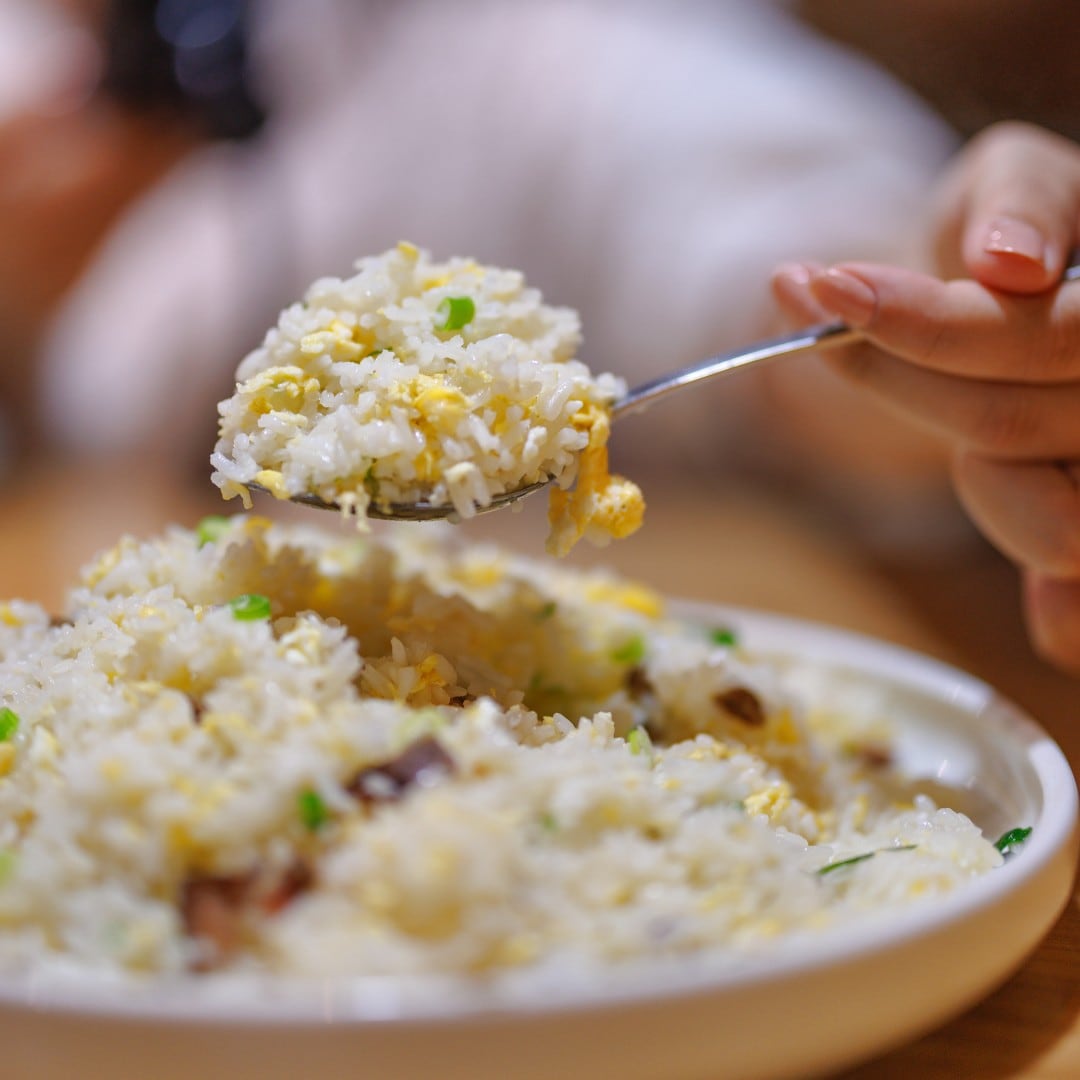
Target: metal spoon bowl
[[417, 511], [823, 335]]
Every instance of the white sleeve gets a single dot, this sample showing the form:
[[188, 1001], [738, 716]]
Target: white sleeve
[[645, 163]]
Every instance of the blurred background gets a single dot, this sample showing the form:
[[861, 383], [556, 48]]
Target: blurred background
[[172, 172], [975, 62]]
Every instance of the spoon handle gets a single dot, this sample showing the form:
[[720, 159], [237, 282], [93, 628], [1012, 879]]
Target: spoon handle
[[824, 335], [821, 336]]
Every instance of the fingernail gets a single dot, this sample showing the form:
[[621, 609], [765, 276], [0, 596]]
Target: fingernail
[[1010, 236], [789, 284], [795, 273], [845, 295]]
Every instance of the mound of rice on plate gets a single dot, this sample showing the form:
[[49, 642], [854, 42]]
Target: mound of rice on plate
[[446, 383], [253, 747]]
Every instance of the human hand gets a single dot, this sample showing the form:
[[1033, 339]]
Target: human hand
[[990, 360]]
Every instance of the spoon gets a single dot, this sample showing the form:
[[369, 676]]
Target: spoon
[[823, 335]]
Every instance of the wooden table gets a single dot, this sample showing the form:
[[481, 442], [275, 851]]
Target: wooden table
[[741, 549]]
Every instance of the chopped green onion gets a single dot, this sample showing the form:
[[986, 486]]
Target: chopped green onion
[[638, 740], [250, 606], [455, 312], [371, 481], [724, 635], [862, 858], [630, 652], [546, 611], [211, 529], [548, 822], [846, 862], [313, 811], [8, 859], [9, 723], [1013, 838]]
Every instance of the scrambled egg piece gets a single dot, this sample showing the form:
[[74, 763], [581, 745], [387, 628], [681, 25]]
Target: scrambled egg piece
[[626, 594], [273, 481], [600, 506]]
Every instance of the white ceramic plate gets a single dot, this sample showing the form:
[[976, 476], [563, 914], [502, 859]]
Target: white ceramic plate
[[814, 1008]]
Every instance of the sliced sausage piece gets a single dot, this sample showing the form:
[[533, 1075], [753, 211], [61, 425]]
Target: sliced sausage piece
[[743, 704], [389, 781]]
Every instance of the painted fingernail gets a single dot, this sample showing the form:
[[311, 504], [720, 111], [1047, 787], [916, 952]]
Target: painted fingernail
[[845, 295], [1010, 236]]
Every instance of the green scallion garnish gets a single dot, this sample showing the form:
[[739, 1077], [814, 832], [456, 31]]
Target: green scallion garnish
[[846, 862], [638, 740], [8, 859], [1013, 838], [9, 723], [724, 635], [455, 312], [211, 529], [546, 611], [630, 652], [250, 606], [548, 822], [827, 869], [313, 812]]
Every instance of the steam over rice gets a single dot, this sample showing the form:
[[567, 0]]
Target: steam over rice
[[262, 748], [447, 383]]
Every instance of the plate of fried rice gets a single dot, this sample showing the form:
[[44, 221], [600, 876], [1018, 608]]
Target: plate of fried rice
[[284, 801]]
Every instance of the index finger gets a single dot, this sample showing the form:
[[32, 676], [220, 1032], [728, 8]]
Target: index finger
[[959, 327]]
